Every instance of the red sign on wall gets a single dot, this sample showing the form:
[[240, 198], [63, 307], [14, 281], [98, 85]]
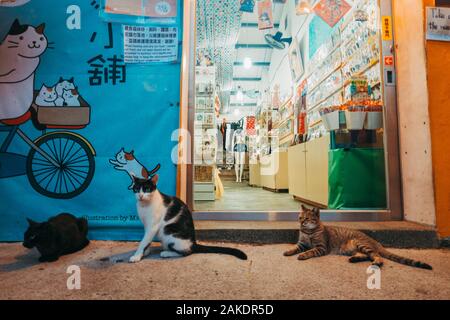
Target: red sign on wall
[[389, 61], [331, 11]]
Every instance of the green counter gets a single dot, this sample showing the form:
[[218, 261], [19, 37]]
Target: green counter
[[356, 179]]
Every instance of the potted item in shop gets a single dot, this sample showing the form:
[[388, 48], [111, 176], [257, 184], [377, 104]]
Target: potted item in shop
[[355, 117], [374, 118], [330, 118]]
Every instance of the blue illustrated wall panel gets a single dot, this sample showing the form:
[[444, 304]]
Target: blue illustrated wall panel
[[126, 106]]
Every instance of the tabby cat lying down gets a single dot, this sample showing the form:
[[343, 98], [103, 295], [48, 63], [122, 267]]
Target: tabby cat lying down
[[317, 240]]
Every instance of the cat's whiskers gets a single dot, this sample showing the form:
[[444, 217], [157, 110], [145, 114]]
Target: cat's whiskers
[[13, 46], [13, 42]]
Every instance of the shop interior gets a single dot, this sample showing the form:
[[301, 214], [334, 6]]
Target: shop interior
[[288, 106]]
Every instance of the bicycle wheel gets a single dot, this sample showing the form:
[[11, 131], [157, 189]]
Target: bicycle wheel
[[75, 171]]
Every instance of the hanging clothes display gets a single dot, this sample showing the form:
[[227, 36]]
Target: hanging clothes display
[[251, 120]]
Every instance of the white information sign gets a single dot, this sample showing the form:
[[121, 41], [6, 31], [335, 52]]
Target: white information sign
[[150, 44]]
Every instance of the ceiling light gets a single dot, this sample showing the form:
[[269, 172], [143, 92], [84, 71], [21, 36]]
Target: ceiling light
[[236, 112], [304, 7], [248, 63]]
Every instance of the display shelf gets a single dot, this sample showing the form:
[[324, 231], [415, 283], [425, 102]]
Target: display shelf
[[325, 78], [282, 122], [325, 99], [332, 51]]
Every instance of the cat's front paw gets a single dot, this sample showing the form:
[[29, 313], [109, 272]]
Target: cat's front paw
[[302, 257], [135, 258]]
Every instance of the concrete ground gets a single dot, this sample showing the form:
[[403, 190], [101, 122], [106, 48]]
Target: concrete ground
[[266, 275]]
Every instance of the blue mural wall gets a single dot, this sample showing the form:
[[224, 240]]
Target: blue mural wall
[[132, 106]]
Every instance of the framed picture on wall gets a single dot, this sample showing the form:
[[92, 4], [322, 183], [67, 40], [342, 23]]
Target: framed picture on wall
[[295, 60]]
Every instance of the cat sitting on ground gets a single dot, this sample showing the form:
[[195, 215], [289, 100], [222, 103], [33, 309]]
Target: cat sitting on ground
[[125, 161], [317, 240], [171, 220], [46, 97], [60, 235]]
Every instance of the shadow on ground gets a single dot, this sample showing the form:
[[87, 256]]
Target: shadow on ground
[[21, 262]]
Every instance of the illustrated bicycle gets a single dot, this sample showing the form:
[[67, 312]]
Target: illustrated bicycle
[[60, 164]]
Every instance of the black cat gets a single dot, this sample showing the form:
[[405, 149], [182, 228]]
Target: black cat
[[60, 235]]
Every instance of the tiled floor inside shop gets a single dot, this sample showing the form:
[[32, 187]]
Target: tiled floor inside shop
[[242, 197]]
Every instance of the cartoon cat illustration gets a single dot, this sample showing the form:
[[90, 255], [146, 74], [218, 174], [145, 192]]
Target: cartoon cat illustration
[[13, 3], [125, 161], [60, 87], [20, 53], [71, 98], [46, 97]]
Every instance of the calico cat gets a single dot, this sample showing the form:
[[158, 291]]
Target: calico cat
[[171, 220], [61, 86], [20, 53], [71, 98], [60, 235], [46, 97], [125, 161], [317, 240]]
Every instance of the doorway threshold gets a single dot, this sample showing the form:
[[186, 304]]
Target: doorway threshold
[[326, 215], [398, 234]]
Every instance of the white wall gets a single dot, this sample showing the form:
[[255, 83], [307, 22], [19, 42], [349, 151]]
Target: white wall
[[412, 97]]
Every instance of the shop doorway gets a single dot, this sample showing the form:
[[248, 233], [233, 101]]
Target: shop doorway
[[293, 102]]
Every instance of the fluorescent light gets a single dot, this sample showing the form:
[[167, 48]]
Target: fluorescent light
[[248, 63], [236, 112]]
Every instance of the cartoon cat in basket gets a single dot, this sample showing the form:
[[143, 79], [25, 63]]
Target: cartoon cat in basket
[[20, 53], [61, 105]]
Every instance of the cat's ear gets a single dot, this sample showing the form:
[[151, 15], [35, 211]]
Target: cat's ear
[[40, 28], [155, 179], [71, 80], [15, 27], [31, 222], [304, 208], [316, 212], [60, 79]]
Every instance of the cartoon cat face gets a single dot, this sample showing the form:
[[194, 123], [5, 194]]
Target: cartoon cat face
[[26, 40], [66, 84], [122, 156], [48, 93], [70, 94]]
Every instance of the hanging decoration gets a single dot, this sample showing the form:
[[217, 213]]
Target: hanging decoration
[[302, 7], [361, 15], [251, 125], [331, 11], [247, 5], [283, 36], [218, 24], [265, 15], [217, 105]]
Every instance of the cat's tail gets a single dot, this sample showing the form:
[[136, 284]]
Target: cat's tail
[[409, 262], [83, 225], [198, 248]]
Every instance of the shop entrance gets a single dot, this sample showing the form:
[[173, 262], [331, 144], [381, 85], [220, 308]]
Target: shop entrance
[[292, 102]]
